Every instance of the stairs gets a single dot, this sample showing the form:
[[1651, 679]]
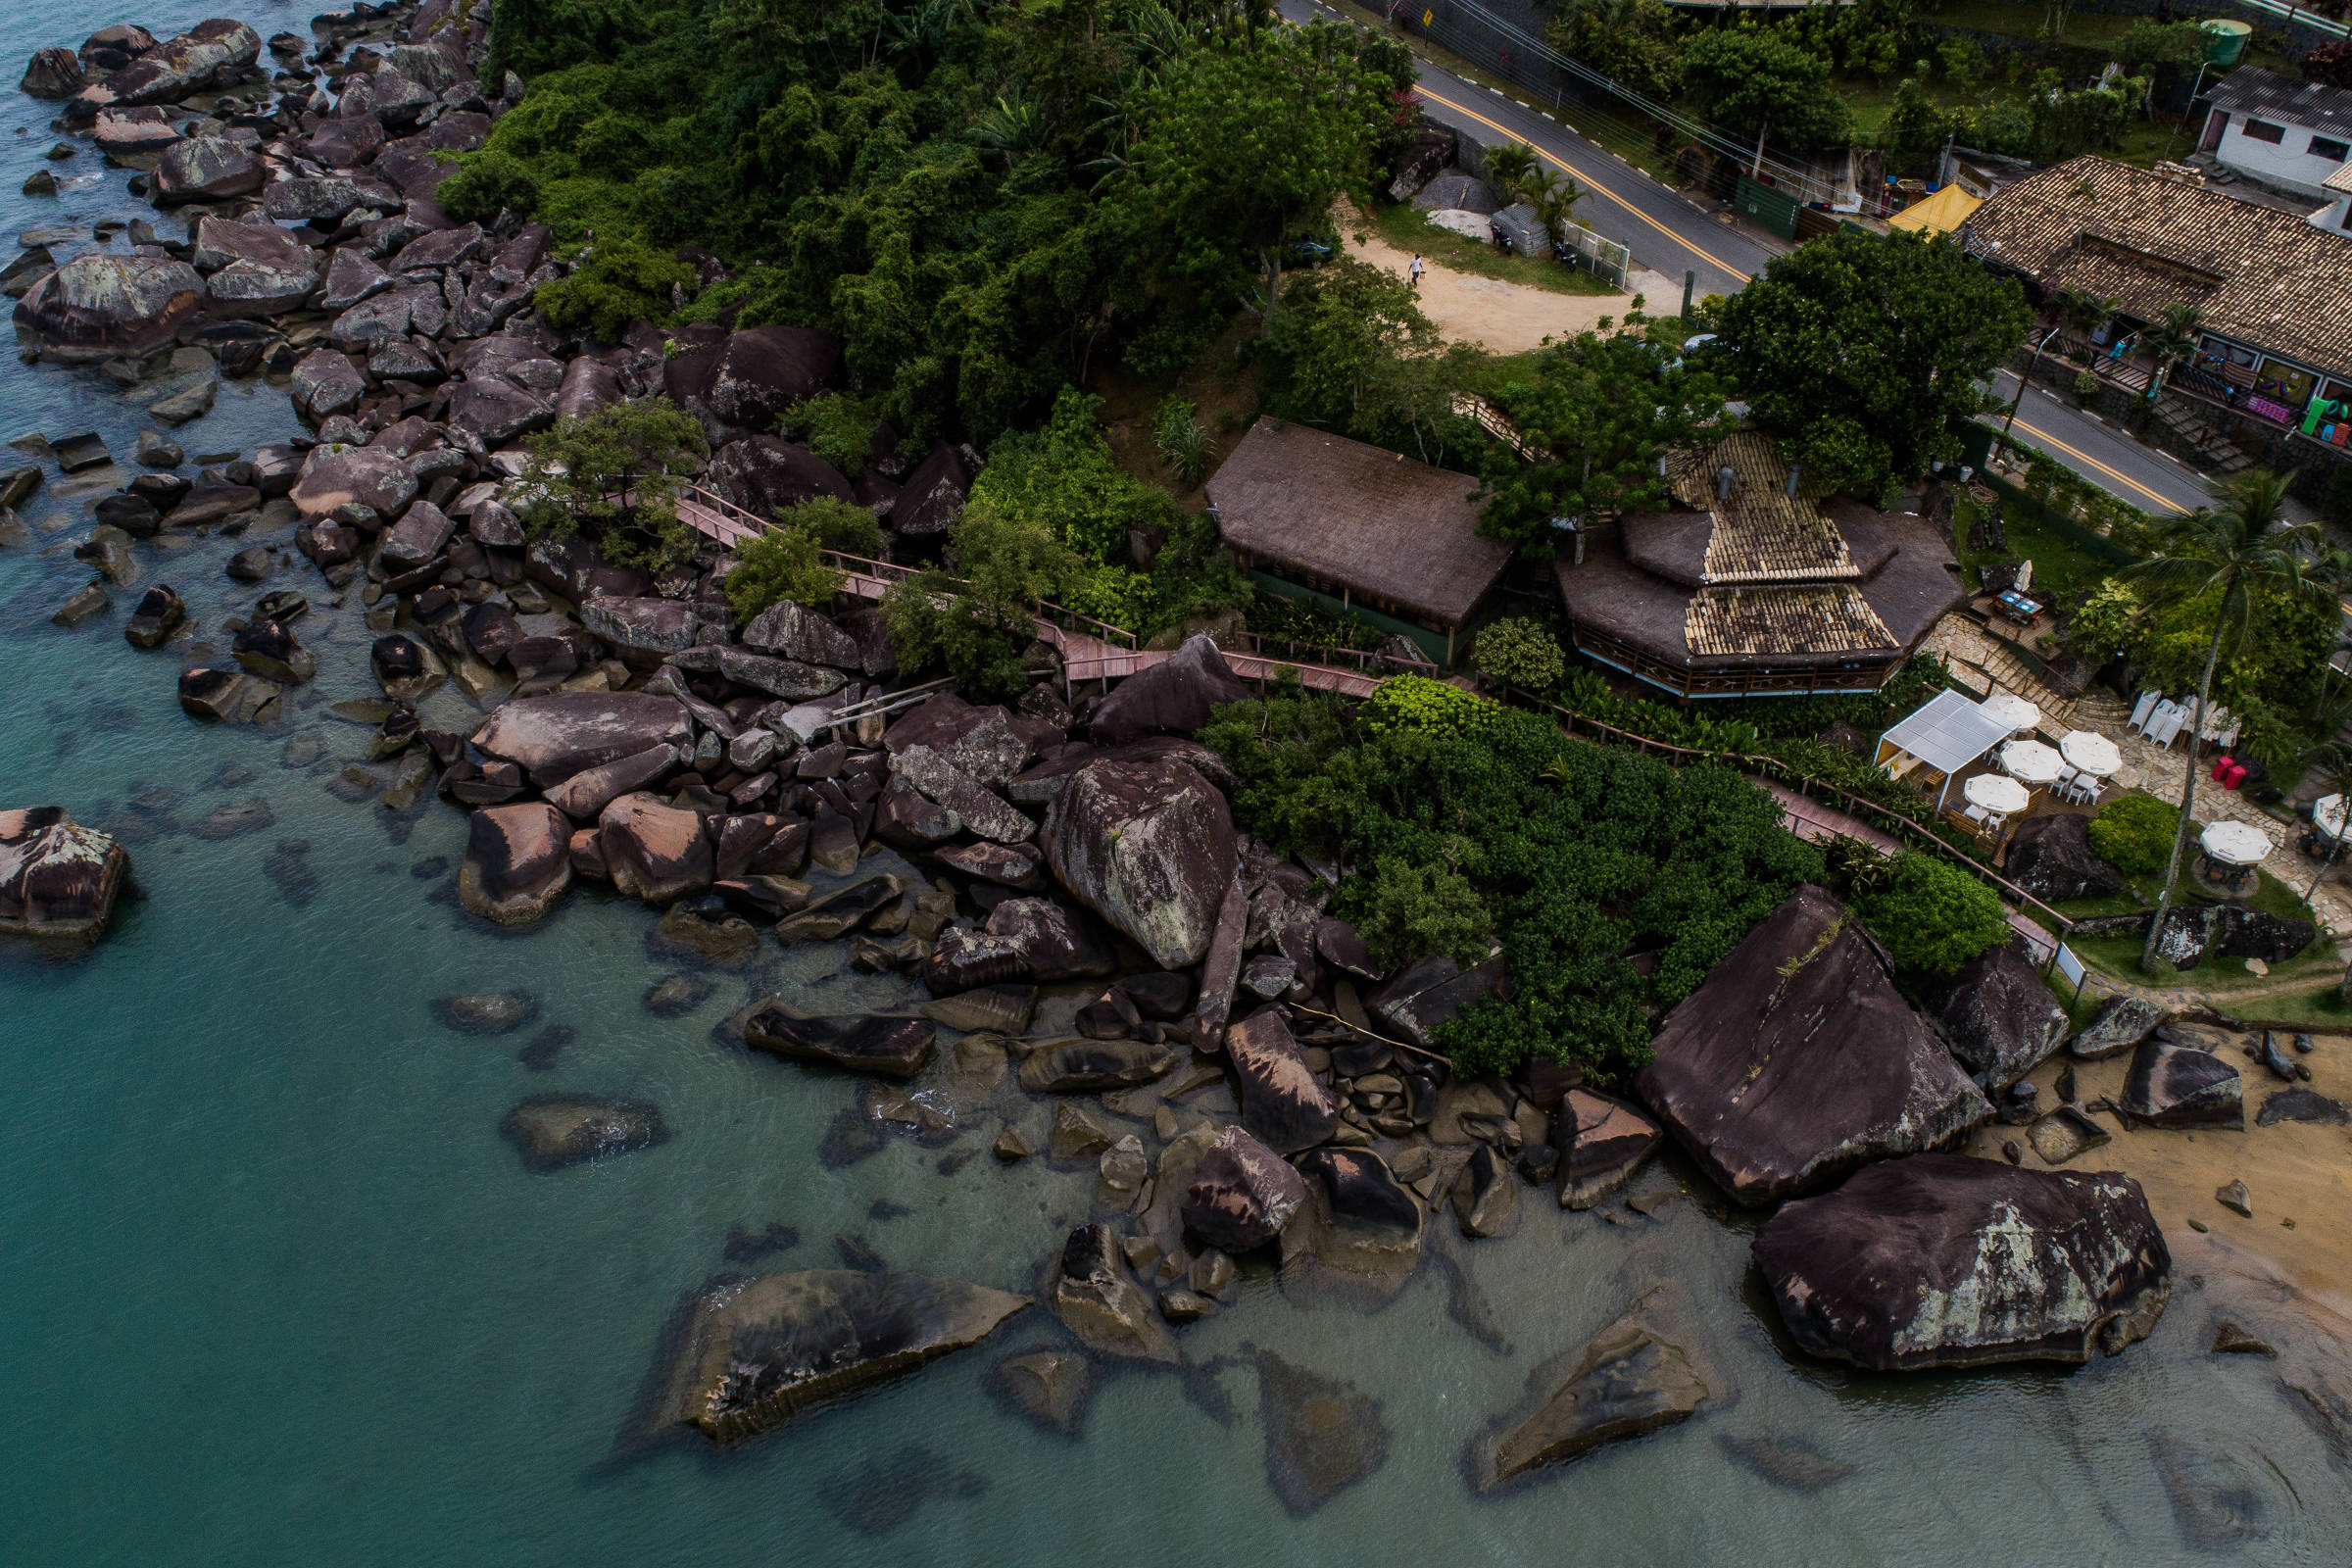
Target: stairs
[[2216, 451]]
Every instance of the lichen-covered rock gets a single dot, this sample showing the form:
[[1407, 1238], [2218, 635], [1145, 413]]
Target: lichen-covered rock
[[1996, 1016], [2179, 1086], [1283, 1103], [553, 1131], [335, 476], [1797, 1060], [207, 169], [1635, 1376], [209, 54], [893, 1047], [1241, 1195], [1170, 698], [58, 881], [2051, 858], [2121, 1023], [1089, 1289], [564, 733], [102, 307], [1053, 943], [1150, 847], [518, 862], [326, 383], [654, 850], [1948, 1261], [794, 631], [1602, 1142], [929, 770], [755, 1353], [1426, 995]]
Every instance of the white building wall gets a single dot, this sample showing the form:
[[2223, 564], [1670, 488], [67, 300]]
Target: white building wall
[[2288, 164]]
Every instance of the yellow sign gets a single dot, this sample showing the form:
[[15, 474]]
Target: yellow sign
[[1427, 16]]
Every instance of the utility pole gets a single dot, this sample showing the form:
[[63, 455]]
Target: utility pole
[[2192, 104], [1690, 281], [1757, 172], [2022, 382]]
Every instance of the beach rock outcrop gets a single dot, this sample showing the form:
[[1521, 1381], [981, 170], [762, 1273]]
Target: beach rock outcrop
[[1243, 1194], [892, 1047], [518, 862], [58, 881], [562, 733], [755, 1353], [207, 169], [1602, 1142], [1997, 1015], [1283, 1104], [209, 54], [102, 307], [2173, 1085], [1797, 1060], [654, 850], [1150, 847], [1640, 1373], [1950, 1261], [1361, 1228], [1170, 698], [1090, 1290], [553, 1131]]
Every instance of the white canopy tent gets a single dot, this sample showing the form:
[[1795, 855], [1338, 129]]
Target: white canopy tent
[[2327, 811], [1947, 734], [2235, 843]]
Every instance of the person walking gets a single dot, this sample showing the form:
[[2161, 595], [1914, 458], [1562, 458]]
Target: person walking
[[1414, 272]]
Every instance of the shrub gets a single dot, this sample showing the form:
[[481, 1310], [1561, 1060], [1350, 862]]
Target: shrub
[[836, 427], [837, 524], [615, 476], [781, 563], [1932, 916], [1520, 653], [1418, 911], [1182, 443], [1418, 704], [2087, 386], [486, 183], [2134, 833], [623, 281]]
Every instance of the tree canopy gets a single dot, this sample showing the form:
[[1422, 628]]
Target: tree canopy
[[1755, 81], [1862, 354]]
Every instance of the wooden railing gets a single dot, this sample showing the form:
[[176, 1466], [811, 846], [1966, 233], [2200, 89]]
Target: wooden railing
[[1804, 784]]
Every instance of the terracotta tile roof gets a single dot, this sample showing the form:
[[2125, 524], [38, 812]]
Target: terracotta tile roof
[[1387, 528], [1762, 534], [2260, 276], [2340, 181], [2252, 90], [1784, 619]]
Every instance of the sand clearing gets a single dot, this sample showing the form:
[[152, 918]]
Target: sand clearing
[[1503, 318]]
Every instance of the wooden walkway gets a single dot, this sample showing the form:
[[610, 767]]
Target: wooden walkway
[[1090, 649]]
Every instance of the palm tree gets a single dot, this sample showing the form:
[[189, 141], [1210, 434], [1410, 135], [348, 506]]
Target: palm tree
[[1510, 167], [2228, 553], [2171, 338], [1555, 197]]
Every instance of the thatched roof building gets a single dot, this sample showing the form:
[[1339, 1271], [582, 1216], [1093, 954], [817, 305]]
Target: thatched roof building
[[1748, 588], [1371, 528]]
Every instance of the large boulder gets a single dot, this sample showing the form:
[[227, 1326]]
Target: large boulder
[[2249, 933], [654, 850], [1948, 1261], [1243, 1194], [101, 307], [1054, 942], [1602, 1143], [2173, 1085], [757, 374], [207, 169], [209, 54], [326, 383], [765, 474], [1996, 1016], [2122, 1023], [893, 1047], [589, 384], [1283, 1103], [562, 733], [794, 631], [932, 497], [1170, 698], [1362, 1229], [335, 476], [1797, 1060], [1077, 1065], [58, 881], [1090, 1290], [2051, 858], [971, 802], [1428, 992], [1638, 1374], [643, 631], [753, 1354], [518, 862], [1150, 847], [52, 74]]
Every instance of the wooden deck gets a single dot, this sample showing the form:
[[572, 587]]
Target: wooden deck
[[1090, 650]]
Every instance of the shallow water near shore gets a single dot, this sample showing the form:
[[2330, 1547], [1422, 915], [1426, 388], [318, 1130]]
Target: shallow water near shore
[[277, 1290]]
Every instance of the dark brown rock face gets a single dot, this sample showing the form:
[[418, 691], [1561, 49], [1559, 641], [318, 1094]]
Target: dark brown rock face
[[1283, 1104], [1997, 1014], [2121, 1023], [2051, 858], [1948, 1261], [893, 1047], [518, 862], [100, 307], [1054, 944], [1171, 698], [755, 1354], [2179, 1086], [1797, 1060], [654, 850], [1148, 847], [58, 881], [1602, 1142], [1635, 1376], [562, 733], [1243, 1194], [757, 374], [1428, 992]]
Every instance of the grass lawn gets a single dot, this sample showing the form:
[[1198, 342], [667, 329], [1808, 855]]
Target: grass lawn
[[1410, 229], [2118, 955], [2061, 568]]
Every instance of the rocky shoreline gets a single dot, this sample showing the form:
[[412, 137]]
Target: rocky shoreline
[[1251, 1091]]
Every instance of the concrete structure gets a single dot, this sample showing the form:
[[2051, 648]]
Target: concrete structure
[[2286, 134]]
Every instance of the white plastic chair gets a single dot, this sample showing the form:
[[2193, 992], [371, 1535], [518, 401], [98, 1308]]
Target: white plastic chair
[[2143, 708], [1975, 813], [1992, 822]]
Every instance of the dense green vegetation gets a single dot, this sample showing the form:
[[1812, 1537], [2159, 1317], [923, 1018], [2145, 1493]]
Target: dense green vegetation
[[616, 476], [1463, 819], [787, 563], [2134, 833], [985, 203]]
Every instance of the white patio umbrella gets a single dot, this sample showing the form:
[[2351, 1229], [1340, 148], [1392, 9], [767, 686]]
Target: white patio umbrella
[[2032, 762], [2089, 751], [2329, 812], [1995, 793], [2235, 843], [2012, 709]]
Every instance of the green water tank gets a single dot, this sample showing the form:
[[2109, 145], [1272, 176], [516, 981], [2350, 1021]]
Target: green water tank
[[2224, 41]]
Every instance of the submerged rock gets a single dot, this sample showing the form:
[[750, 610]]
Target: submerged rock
[[1632, 1377], [553, 1131], [1950, 1261], [1797, 1060], [1051, 1388], [752, 1353], [1089, 1289], [1323, 1434], [893, 1047], [1361, 1227], [489, 1012]]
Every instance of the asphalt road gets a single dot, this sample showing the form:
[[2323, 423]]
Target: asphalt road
[[1672, 235]]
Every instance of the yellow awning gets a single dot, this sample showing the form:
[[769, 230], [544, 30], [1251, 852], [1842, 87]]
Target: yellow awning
[[1939, 214]]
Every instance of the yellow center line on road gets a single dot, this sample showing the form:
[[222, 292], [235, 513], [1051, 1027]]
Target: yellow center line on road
[[2163, 502], [1589, 184]]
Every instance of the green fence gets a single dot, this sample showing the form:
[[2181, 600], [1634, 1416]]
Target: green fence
[[1761, 204], [1978, 441], [1432, 643]]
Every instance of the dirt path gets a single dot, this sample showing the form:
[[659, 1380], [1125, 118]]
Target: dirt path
[[1503, 318]]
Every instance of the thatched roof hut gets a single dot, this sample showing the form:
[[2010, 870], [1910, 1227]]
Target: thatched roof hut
[[1370, 528]]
